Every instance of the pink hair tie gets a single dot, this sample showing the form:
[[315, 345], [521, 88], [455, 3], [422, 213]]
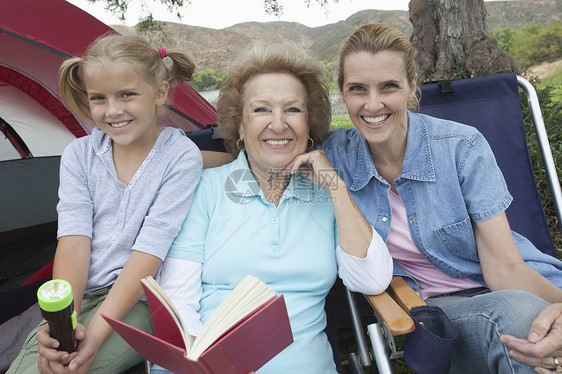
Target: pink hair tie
[[163, 52]]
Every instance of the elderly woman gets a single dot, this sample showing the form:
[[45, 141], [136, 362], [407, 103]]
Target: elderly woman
[[434, 192], [263, 215]]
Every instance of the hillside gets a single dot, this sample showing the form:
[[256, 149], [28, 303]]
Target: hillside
[[213, 48]]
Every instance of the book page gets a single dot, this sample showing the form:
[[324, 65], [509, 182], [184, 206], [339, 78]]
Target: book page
[[248, 295], [167, 303]]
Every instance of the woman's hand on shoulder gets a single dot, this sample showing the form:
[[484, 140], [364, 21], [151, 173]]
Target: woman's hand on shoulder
[[316, 167]]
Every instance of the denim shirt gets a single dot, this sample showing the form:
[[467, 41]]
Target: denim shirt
[[449, 178]]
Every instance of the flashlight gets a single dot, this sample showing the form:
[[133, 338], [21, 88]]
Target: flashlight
[[57, 307]]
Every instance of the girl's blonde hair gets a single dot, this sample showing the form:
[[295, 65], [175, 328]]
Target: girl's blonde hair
[[378, 37], [262, 59], [133, 50]]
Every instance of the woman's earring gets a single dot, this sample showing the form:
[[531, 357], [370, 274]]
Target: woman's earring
[[240, 148], [311, 141]]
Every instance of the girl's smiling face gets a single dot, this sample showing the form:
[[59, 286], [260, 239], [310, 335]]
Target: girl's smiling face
[[274, 121], [376, 92], [123, 105]]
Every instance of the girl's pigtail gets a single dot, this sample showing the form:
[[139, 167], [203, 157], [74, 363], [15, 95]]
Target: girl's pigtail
[[71, 89], [182, 67]]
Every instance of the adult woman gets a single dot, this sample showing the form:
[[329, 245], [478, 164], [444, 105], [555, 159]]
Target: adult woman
[[433, 191], [261, 215]]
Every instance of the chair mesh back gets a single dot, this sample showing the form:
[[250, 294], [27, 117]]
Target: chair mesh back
[[204, 140], [491, 104]]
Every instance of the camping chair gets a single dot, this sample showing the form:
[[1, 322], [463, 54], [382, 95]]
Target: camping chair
[[492, 105]]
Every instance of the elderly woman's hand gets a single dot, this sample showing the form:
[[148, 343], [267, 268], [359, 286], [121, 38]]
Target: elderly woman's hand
[[544, 343], [320, 172]]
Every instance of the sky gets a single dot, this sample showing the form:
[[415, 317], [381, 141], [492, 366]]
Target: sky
[[218, 14]]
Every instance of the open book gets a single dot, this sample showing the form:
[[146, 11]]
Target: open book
[[248, 328]]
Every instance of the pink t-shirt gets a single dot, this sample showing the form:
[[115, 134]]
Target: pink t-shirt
[[405, 254]]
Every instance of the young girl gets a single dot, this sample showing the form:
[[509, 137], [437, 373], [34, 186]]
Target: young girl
[[124, 193]]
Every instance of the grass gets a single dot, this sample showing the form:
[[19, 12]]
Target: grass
[[552, 115], [341, 121], [398, 365], [553, 82]]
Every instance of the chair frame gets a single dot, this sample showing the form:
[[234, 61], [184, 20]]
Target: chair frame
[[544, 145], [392, 307]]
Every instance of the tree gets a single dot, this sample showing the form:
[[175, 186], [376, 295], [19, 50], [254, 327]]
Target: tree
[[544, 46], [119, 7], [452, 40], [274, 8], [512, 39]]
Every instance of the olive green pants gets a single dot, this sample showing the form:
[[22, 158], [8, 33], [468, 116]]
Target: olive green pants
[[115, 356]]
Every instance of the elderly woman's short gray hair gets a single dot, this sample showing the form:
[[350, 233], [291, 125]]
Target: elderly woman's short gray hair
[[262, 59]]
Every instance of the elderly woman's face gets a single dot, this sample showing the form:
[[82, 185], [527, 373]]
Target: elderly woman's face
[[274, 120]]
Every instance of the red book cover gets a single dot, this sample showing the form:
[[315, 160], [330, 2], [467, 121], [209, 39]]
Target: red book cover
[[247, 346]]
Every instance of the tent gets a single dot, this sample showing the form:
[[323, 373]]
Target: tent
[[35, 37]]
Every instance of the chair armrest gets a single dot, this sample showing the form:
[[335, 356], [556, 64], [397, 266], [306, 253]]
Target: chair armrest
[[403, 294], [395, 313]]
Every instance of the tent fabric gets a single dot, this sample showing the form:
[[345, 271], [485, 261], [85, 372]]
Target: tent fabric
[[54, 25], [42, 132], [7, 150], [29, 192], [14, 332], [13, 139], [43, 97]]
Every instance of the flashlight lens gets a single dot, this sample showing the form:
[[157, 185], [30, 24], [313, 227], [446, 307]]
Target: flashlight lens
[[54, 291], [54, 295]]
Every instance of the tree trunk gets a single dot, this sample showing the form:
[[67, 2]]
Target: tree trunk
[[453, 42]]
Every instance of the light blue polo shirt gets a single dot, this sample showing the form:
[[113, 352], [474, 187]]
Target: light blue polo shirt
[[233, 231]]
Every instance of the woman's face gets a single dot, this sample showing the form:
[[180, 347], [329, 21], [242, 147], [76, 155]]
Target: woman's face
[[274, 121], [376, 92]]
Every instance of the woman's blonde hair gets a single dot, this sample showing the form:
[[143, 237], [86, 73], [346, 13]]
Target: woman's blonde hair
[[262, 59], [378, 37], [133, 50]]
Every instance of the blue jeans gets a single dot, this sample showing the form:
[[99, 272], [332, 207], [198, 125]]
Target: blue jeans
[[481, 317]]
